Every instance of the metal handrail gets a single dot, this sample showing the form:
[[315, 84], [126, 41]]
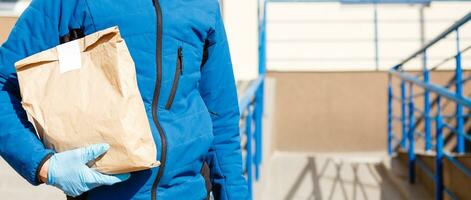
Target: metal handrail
[[440, 90], [251, 110], [442, 35], [250, 93], [408, 111]]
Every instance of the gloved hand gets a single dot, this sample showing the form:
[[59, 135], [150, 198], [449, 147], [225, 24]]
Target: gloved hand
[[69, 171]]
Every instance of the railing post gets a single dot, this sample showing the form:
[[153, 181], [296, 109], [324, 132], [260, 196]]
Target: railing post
[[262, 37], [411, 150], [259, 96], [390, 116], [439, 152], [459, 92], [403, 115], [258, 130], [249, 158], [427, 122]]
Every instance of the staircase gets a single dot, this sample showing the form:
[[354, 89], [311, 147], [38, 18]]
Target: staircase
[[442, 162]]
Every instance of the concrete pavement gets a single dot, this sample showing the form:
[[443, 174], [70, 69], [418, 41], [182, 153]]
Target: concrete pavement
[[293, 176], [14, 187]]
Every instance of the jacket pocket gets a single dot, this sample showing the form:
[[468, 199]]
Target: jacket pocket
[[176, 79]]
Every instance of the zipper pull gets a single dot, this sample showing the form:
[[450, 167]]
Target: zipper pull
[[180, 59]]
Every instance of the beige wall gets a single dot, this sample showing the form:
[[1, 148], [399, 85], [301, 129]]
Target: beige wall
[[6, 23], [320, 112], [334, 111]]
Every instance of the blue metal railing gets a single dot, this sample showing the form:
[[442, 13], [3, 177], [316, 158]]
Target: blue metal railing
[[251, 109], [409, 122]]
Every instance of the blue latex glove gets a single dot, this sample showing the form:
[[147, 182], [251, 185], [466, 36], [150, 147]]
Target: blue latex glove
[[69, 171]]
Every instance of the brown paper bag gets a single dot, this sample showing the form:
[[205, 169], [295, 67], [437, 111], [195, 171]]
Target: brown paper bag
[[85, 92]]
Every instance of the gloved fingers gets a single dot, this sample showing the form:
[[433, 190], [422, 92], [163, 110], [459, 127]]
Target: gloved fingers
[[103, 179], [94, 151]]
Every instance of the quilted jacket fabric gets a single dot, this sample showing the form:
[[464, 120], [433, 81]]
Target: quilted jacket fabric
[[185, 77]]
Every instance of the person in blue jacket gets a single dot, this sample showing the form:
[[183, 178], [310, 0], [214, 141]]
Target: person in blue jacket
[[186, 80]]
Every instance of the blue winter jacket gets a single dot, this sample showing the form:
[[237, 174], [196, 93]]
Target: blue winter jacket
[[185, 78]]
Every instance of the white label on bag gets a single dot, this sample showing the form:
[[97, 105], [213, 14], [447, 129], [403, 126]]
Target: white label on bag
[[69, 56]]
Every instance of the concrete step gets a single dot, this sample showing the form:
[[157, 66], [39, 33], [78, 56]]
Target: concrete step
[[397, 174], [454, 179], [14, 187]]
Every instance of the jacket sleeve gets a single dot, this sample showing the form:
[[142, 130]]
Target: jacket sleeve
[[220, 95], [36, 30]]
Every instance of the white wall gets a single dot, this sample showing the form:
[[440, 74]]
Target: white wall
[[9, 9], [240, 17], [336, 37]]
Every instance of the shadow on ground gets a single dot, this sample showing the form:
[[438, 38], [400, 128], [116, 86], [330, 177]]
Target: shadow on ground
[[331, 178]]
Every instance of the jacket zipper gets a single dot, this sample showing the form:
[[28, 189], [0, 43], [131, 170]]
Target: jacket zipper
[[155, 100], [176, 79]]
